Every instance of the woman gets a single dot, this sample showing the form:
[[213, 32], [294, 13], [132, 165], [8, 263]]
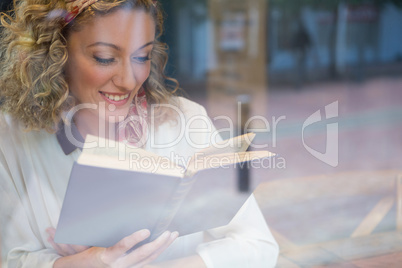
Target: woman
[[101, 61]]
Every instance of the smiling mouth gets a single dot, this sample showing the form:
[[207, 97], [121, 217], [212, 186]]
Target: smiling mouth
[[115, 97]]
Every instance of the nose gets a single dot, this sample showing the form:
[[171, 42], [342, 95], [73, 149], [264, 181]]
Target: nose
[[124, 78]]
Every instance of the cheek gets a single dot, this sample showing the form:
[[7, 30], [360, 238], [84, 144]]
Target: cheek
[[143, 73], [85, 78], [94, 77]]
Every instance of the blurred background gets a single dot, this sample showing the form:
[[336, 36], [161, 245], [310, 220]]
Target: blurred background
[[289, 58], [324, 80], [332, 197]]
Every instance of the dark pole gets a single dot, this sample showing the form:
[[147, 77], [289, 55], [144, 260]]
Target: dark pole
[[243, 179]]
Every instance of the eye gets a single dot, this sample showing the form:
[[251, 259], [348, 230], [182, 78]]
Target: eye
[[104, 61], [142, 59]]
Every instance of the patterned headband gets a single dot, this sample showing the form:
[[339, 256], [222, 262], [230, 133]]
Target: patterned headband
[[75, 7]]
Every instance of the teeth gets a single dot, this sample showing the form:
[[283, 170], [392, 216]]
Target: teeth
[[116, 97]]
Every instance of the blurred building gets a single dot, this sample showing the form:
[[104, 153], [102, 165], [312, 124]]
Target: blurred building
[[343, 38], [218, 49]]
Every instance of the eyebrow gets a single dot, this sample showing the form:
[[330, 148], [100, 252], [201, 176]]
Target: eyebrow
[[117, 47]]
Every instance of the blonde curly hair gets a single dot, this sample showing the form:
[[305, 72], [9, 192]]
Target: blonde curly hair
[[33, 53]]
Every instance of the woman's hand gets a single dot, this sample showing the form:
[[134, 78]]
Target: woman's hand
[[117, 256]]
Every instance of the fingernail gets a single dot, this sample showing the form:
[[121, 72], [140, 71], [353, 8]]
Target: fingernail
[[166, 234], [144, 233], [174, 235]]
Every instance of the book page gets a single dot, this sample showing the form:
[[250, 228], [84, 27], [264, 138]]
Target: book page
[[111, 154], [221, 160], [232, 145]]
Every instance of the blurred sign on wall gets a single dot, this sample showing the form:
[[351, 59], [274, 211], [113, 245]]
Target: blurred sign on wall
[[233, 31]]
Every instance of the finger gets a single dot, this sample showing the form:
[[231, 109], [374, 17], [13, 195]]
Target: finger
[[126, 243], [51, 229], [55, 246], [143, 252], [78, 248], [173, 237], [159, 251], [51, 232], [67, 249], [62, 249]]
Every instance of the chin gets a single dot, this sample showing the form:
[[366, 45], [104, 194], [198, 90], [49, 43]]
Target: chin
[[115, 117]]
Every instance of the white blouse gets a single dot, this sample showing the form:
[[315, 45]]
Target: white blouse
[[34, 172]]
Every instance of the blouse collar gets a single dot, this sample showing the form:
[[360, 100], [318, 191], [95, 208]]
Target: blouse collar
[[69, 138]]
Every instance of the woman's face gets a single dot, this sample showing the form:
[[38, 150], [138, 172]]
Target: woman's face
[[108, 61]]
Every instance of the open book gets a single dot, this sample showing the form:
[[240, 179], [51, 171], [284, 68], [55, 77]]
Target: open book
[[115, 190]]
